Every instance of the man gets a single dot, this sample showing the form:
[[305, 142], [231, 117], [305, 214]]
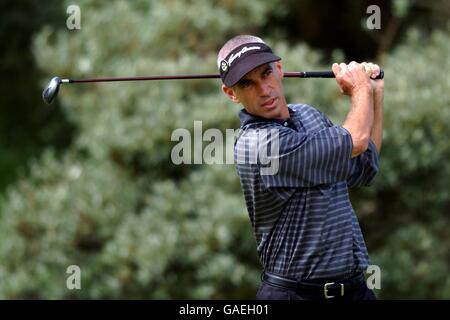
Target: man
[[308, 237]]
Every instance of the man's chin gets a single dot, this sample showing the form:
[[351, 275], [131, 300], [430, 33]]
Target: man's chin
[[272, 112]]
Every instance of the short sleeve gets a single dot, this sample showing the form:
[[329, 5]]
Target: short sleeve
[[305, 160], [364, 167]]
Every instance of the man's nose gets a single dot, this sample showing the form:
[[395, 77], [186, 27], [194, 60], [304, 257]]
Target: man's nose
[[263, 89]]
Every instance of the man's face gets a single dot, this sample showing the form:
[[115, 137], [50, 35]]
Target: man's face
[[261, 92]]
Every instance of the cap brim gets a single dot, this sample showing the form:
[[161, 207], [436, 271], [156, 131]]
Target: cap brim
[[246, 65]]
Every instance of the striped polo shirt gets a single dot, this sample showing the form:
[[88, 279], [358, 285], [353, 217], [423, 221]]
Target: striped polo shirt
[[304, 224]]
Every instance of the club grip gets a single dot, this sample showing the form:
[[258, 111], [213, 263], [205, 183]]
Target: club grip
[[329, 74]]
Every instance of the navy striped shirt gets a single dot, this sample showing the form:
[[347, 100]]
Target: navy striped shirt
[[302, 218]]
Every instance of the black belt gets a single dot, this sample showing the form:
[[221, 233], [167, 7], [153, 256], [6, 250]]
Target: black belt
[[326, 289]]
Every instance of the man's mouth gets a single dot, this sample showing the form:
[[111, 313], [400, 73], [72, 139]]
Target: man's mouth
[[269, 103]]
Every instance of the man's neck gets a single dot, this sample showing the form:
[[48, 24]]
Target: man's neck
[[284, 113]]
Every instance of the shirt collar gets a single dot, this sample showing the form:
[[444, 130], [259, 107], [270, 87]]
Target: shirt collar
[[248, 118]]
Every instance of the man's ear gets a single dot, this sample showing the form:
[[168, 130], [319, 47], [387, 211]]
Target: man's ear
[[230, 93], [279, 68]]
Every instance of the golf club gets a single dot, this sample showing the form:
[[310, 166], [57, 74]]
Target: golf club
[[51, 91]]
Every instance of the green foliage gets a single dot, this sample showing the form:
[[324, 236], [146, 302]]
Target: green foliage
[[415, 265], [159, 231], [140, 227], [412, 191], [25, 130]]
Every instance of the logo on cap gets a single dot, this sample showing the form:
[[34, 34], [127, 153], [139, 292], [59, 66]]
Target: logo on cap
[[224, 65], [236, 55]]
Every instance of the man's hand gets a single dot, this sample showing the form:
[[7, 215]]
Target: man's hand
[[352, 77], [373, 70], [355, 82], [365, 119], [378, 105]]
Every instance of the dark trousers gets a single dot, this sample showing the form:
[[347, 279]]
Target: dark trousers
[[269, 292]]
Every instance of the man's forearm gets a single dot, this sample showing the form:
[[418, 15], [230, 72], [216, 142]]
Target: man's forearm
[[359, 120], [377, 128]]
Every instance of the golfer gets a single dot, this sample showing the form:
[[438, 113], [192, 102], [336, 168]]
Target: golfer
[[308, 237]]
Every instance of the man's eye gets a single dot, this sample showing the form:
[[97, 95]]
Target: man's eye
[[267, 72], [244, 84]]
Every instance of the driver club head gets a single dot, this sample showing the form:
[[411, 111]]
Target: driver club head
[[51, 91]]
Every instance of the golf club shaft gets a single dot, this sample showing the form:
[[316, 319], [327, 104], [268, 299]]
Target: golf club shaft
[[51, 91], [302, 74]]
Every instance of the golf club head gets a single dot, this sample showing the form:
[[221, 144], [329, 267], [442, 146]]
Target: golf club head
[[51, 91]]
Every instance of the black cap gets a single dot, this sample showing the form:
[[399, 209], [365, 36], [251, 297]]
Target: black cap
[[243, 59]]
